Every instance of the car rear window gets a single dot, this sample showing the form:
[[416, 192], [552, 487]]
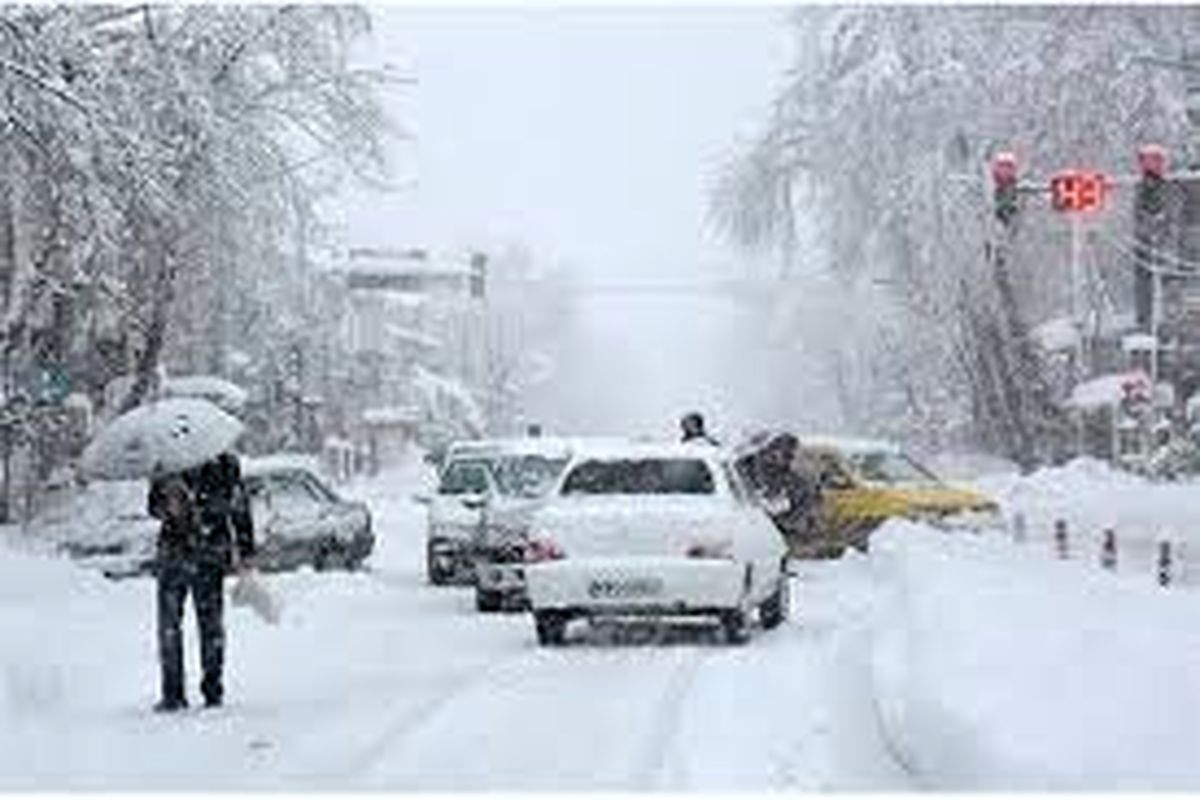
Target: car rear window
[[640, 476]]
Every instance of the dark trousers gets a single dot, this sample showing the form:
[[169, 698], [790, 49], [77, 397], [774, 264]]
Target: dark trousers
[[205, 582]]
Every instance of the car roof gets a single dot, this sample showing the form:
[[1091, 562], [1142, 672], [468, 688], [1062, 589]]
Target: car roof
[[848, 444], [845, 445], [613, 450], [280, 462], [549, 446]]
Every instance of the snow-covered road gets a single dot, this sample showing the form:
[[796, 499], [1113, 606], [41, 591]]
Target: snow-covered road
[[941, 661], [379, 681]]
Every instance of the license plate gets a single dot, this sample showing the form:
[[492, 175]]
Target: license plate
[[618, 588]]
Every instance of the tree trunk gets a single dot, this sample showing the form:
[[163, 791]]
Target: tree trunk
[[161, 298]]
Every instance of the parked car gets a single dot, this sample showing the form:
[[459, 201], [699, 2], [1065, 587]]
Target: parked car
[[476, 521], [102, 525], [865, 482], [298, 520], [645, 530]]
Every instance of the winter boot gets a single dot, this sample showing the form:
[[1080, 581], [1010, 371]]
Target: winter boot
[[170, 704]]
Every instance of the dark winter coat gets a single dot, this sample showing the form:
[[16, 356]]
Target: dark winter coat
[[205, 512]]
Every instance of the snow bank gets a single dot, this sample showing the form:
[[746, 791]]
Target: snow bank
[[1091, 495], [997, 668], [39, 660]]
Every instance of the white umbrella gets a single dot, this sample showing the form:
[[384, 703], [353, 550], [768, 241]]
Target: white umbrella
[[167, 435]]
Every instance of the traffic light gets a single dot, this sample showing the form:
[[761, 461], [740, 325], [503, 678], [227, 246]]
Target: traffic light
[[1004, 186], [1149, 222], [1076, 191], [1152, 171]]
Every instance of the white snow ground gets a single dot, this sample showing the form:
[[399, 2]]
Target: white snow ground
[[936, 662]]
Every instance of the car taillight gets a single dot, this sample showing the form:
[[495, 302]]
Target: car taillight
[[710, 549], [542, 549]]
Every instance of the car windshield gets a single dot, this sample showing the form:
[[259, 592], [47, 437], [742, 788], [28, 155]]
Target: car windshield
[[640, 476], [464, 477], [526, 475], [883, 466]]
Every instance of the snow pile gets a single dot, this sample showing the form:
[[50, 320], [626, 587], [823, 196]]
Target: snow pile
[[41, 667], [997, 668], [1090, 496]]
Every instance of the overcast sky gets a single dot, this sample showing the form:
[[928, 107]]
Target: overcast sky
[[593, 136]]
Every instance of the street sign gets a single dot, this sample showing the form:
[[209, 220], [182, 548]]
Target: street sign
[[1078, 191]]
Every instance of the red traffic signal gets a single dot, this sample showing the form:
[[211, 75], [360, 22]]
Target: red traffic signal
[[1004, 169], [1152, 160], [1077, 191]]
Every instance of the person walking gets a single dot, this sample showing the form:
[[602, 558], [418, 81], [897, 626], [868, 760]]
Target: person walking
[[206, 530], [692, 425]]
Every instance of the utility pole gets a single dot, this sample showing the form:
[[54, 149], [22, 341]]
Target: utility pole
[[1077, 312]]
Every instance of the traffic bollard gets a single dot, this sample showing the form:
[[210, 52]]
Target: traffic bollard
[[1164, 563], [1019, 527], [1061, 547], [1108, 550]]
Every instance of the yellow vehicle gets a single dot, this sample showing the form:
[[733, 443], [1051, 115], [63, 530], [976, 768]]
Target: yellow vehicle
[[864, 483]]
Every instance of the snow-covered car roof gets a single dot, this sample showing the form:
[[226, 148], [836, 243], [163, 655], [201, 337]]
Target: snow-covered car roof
[[280, 462], [549, 446], [848, 444], [613, 449]]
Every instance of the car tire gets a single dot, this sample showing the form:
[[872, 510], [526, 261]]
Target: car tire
[[437, 576], [322, 559], [551, 628], [488, 600], [774, 610], [735, 627]]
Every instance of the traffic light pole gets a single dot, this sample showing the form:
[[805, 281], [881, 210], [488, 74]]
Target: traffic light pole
[[1076, 304]]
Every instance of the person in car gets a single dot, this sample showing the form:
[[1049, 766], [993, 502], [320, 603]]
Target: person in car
[[692, 425], [201, 511]]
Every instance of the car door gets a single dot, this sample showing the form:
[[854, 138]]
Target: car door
[[760, 542], [338, 519], [291, 515]]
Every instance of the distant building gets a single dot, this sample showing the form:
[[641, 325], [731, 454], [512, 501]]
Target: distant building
[[409, 313]]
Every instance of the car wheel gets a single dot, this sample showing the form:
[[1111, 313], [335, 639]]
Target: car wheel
[[322, 559], [488, 600], [774, 610], [551, 627], [735, 626], [437, 575]]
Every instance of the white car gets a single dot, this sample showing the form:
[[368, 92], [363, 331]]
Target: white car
[[486, 492], [654, 530]]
